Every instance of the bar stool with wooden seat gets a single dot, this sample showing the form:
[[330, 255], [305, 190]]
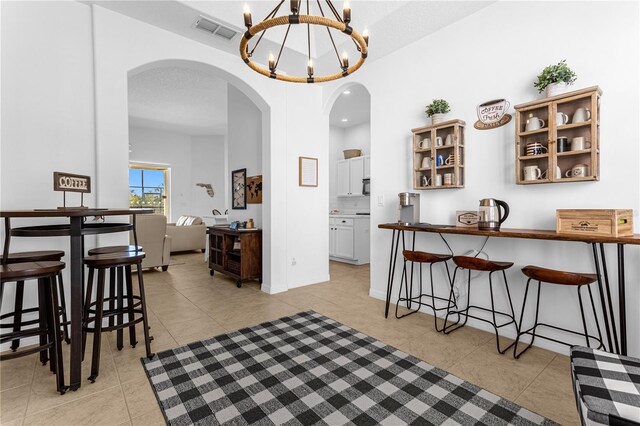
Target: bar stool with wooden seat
[[19, 311], [570, 279], [48, 328], [112, 272], [482, 265], [422, 257], [94, 312]]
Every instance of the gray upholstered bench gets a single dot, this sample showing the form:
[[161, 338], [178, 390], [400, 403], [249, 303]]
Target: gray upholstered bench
[[607, 387]]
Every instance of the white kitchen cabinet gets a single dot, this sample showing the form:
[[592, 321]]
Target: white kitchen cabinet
[[344, 242], [343, 178], [350, 174], [349, 239], [367, 167]]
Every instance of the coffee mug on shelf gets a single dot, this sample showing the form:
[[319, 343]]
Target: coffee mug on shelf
[[439, 160], [532, 173], [425, 143], [450, 161], [581, 115], [438, 180], [579, 143], [448, 179], [558, 173], [579, 170], [535, 148], [561, 119], [534, 123], [438, 141], [562, 144], [448, 141], [426, 162]]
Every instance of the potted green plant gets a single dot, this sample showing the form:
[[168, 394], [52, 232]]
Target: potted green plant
[[555, 78], [437, 110]]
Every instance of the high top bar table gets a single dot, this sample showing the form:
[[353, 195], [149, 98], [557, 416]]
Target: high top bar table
[[599, 259], [76, 229]]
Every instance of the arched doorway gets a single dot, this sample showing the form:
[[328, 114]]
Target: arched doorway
[[349, 111], [240, 144]]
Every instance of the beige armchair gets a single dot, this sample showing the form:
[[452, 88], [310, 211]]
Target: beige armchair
[[188, 233], [152, 236]]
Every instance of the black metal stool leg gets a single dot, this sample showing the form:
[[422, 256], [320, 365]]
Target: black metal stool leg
[[97, 324], [112, 293], [18, 314], [42, 319], [145, 319], [63, 307], [584, 321], [464, 312], [595, 317], [132, 330], [54, 327], [120, 291], [532, 330], [86, 309]]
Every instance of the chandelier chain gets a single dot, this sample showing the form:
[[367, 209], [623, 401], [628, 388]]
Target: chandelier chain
[[269, 16], [284, 41], [330, 36]]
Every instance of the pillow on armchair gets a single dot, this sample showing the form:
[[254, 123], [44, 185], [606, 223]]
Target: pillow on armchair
[[188, 233]]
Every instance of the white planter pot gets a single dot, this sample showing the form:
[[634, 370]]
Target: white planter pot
[[555, 89], [437, 118]]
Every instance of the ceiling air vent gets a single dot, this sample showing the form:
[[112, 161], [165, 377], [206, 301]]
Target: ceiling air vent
[[212, 27]]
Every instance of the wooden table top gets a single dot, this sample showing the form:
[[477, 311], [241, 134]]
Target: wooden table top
[[535, 234], [72, 212]]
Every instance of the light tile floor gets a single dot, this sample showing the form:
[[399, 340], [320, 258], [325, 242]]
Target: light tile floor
[[186, 304]]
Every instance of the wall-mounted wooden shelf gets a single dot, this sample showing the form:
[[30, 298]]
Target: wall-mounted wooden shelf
[[547, 109], [452, 128]]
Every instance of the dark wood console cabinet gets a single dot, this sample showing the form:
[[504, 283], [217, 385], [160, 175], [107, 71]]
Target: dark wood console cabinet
[[236, 253]]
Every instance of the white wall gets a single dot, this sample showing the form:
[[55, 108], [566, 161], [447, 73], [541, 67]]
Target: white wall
[[64, 94], [489, 55], [307, 235], [191, 160], [47, 113], [358, 137], [209, 165], [244, 135]]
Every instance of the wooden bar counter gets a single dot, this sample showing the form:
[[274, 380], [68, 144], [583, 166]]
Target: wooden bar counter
[[596, 241]]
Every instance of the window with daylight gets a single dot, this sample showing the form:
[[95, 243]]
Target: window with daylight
[[147, 188]]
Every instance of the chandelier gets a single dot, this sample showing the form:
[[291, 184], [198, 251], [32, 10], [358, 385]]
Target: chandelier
[[337, 22]]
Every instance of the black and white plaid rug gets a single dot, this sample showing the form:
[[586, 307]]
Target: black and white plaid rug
[[308, 369]]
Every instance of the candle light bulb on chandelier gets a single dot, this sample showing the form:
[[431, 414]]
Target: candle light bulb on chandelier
[[295, 6], [310, 68], [345, 60], [272, 62], [365, 36], [346, 12], [247, 16]]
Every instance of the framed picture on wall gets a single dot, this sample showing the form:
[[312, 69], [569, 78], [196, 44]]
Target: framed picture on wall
[[238, 189], [254, 189], [307, 171]]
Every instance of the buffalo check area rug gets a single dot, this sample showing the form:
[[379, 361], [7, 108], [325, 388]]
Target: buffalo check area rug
[[307, 369]]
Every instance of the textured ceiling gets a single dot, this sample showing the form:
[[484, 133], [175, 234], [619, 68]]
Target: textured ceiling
[[180, 100], [354, 106]]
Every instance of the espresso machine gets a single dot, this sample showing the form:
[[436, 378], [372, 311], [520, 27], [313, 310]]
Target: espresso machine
[[409, 208]]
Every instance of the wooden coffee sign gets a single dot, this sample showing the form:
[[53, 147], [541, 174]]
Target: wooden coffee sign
[[492, 114], [71, 183]]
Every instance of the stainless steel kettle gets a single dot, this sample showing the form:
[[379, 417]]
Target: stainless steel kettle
[[489, 215]]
